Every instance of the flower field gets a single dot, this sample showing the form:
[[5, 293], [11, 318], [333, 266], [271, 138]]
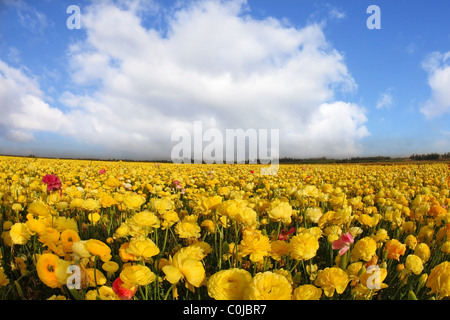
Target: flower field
[[78, 229]]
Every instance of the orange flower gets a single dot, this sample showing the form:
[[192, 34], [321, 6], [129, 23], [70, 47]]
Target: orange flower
[[68, 237], [46, 269], [395, 249]]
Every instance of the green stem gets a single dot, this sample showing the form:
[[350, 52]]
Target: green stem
[[170, 289]]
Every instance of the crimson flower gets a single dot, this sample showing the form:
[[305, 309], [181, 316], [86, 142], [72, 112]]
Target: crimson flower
[[52, 182], [284, 235], [102, 171]]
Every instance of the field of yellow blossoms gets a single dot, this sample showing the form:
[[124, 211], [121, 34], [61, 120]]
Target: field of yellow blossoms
[[76, 229]]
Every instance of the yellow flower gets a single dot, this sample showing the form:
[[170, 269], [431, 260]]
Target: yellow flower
[[104, 293], [211, 203], [107, 201], [142, 248], [313, 214], [182, 266], [422, 250], [146, 219], [303, 246], [137, 275], [90, 205], [4, 281], [411, 242], [38, 209], [229, 284], [98, 248], [95, 276], [209, 225], [395, 249], [364, 249], [280, 211], [188, 227], [278, 249], [268, 286], [20, 233], [247, 216], [332, 279], [93, 217], [169, 217], [16, 207], [254, 244], [76, 203], [381, 235], [110, 266], [439, 280], [373, 277], [133, 201], [307, 292], [414, 264], [161, 205], [446, 247]]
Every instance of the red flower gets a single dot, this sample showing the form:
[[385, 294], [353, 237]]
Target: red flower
[[123, 292], [102, 171], [284, 235], [52, 182]]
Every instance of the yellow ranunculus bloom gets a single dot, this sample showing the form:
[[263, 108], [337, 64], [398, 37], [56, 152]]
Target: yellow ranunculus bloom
[[38, 209], [90, 205], [211, 203], [229, 284], [98, 248], [146, 219], [307, 292], [188, 227], [142, 248], [254, 244], [20, 233], [133, 201], [422, 250], [182, 266], [280, 211], [303, 246], [364, 249], [331, 280], [439, 280], [269, 286], [414, 264], [137, 275]]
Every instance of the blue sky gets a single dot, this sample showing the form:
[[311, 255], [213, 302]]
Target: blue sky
[[136, 71]]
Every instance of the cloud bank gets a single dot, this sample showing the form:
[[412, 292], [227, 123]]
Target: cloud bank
[[133, 84]]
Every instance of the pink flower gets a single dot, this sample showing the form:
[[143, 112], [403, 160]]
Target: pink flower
[[102, 171], [343, 243], [52, 182]]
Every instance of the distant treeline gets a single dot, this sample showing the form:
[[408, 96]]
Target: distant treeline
[[430, 156], [348, 160]]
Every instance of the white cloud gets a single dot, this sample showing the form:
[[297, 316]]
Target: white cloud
[[216, 64], [437, 65], [336, 13], [23, 107], [385, 100]]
